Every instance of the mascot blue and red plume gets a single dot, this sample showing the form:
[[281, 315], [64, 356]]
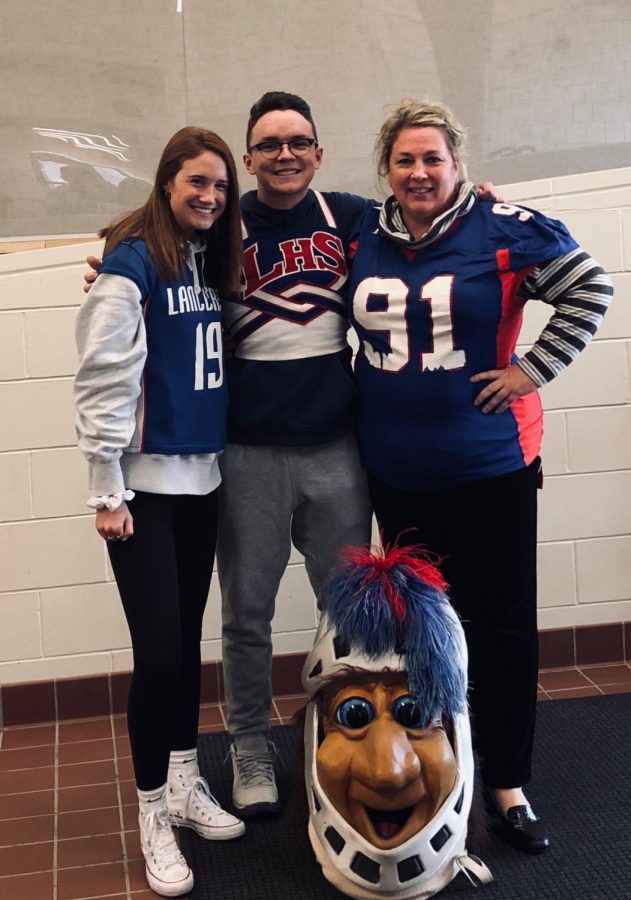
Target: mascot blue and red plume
[[382, 601]]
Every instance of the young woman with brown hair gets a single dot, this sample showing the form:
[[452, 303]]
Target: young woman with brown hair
[[151, 400]]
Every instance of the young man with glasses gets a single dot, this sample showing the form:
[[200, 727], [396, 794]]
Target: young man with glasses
[[291, 472]]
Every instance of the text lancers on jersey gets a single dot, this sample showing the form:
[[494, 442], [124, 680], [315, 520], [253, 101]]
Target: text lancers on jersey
[[189, 301]]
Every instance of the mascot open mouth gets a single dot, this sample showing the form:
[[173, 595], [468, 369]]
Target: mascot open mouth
[[387, 823]]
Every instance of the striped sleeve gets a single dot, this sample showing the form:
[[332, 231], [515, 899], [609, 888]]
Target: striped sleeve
[[580, 292]]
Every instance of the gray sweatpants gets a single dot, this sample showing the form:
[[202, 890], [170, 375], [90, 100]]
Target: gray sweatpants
[[315, 497]]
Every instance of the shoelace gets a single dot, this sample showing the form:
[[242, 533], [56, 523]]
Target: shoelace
[[160, 839], [257, 769], [206, 803], [475, 870]]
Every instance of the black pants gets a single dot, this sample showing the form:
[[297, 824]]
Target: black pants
[[487, 533], [163, 575]]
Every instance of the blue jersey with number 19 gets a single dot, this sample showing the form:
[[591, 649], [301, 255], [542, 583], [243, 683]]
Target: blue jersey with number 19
[[183, 398], [427, 321]]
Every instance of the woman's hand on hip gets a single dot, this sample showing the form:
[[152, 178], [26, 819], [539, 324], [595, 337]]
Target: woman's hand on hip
[[115, 526], [505, 386]]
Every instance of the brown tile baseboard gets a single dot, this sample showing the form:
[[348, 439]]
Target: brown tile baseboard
[[584, 645], [98, 695]]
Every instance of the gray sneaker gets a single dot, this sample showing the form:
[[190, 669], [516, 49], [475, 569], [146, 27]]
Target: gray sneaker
[[254, 790]]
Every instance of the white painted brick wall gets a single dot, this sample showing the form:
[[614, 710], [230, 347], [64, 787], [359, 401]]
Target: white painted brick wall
[[59, 611], [585, 516]]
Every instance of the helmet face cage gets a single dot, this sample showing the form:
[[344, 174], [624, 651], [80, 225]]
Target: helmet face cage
[[330, 656], [427, 861]]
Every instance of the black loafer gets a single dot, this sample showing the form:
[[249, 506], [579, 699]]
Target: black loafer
[[524, 829]]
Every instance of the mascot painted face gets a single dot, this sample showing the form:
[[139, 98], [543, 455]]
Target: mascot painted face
[[388, 758]]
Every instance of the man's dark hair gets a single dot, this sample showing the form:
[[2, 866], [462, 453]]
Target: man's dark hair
[[273, 100]]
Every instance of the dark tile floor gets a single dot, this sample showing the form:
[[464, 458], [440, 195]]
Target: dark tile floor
[[68, 803]]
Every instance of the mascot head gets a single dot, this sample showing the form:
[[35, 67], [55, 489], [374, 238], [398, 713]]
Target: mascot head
[[388, 758]]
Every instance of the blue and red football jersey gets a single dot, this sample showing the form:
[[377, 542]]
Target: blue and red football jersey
[[429, 320]]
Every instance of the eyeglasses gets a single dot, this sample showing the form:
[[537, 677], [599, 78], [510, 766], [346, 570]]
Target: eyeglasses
[[298, 146]]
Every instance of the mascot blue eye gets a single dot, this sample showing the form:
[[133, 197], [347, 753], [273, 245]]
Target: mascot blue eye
[[355, 713], [406, 712]]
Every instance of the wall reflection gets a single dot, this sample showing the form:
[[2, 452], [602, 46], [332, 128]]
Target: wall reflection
[[88, 100], [85, 177]]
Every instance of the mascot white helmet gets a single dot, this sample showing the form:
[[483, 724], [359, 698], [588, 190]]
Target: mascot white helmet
[[380, 834]]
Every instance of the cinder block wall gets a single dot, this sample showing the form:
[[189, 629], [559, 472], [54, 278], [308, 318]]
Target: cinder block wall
[[59, 612], [585, 508]]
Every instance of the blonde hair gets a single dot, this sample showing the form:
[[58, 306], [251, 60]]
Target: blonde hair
[[412, 114]]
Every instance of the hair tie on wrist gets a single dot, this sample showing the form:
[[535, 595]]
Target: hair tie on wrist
[[111, 501]]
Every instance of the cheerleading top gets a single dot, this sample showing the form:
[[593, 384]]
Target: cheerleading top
[[289, 365]]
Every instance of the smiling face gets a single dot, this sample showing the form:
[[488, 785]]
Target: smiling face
[[199, 192], [386, 776], [423, 176], [282, 182]]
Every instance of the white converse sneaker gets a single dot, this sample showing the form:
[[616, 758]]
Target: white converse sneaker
[[191, 805], [166, 869], [254, 790]]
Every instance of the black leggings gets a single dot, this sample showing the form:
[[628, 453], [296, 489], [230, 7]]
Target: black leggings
[[163, 575], [487, 533]]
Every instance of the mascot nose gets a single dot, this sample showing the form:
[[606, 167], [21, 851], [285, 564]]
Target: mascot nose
[[386, 760]]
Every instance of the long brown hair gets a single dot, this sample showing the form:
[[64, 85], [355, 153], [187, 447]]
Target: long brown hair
[[156, 225]]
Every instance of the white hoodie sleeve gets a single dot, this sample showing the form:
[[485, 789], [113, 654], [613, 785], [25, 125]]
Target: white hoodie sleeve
[[112, 345]]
